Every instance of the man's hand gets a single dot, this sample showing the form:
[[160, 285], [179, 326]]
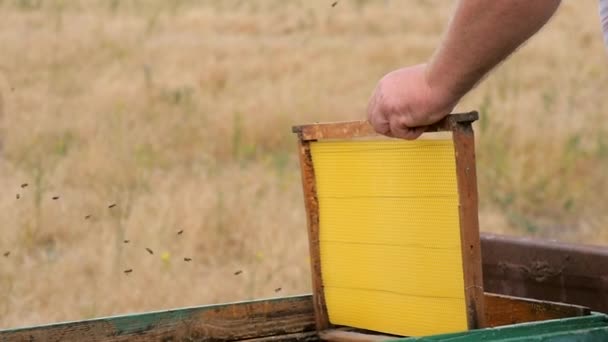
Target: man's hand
[[480, 35], [404, 103]]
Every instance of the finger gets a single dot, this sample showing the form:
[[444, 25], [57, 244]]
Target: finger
[[381, 126], [398, 127], [376, 118], [414, 132], [424, 120], [400, 130]]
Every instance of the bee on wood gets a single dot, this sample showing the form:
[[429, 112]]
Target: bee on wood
[[238, 272], [277, 289], [111, 205], [128, 271], [7, 253], [87, 217], [149, 250], [18, 196], [180, 232], [24, 185], [126, 241], [187, 259], [55, 198]]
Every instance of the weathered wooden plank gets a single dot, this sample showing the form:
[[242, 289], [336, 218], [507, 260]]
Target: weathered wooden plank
[[359, 129], [297, 337], [504, 310], [546, 270], [464, 148], [226, 322], [311, 203]]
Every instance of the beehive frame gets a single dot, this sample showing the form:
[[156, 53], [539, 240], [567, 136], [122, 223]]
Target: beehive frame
[[464, 149]]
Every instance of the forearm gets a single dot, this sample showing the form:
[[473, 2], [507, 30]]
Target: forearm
[[480, 35]]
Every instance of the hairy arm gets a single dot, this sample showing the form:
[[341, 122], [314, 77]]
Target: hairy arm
[[480, 35]]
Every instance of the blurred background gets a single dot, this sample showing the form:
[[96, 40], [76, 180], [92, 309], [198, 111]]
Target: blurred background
[[180, 113]]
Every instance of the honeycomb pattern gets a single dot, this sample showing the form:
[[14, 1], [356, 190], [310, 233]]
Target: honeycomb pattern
[[389, 235]]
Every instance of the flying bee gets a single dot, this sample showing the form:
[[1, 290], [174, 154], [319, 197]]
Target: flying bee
[[238, 272], [55, 198], [24, 185], [334, 4], [149, 250], [128, 271], [111, 205], [87, 217], [18, 196], [180, 232], [187, 259], [277, 289], [126, 241], [7, 253]]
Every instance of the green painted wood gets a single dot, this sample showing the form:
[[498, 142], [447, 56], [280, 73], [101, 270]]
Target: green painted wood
[[592, 328], [269, 318]]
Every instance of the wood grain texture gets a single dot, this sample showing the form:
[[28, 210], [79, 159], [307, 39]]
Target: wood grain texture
[[546, 270], [269, 319], [464, 147], [360, 129], [297, 337], [312, 217], [504, 310]]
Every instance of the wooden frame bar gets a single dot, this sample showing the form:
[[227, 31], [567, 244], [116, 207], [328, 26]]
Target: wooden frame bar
[[464, 149], [466, 174], [361, 129], [312, 210]]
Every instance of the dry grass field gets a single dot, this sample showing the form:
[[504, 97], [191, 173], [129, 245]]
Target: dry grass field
[[179, 112]]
